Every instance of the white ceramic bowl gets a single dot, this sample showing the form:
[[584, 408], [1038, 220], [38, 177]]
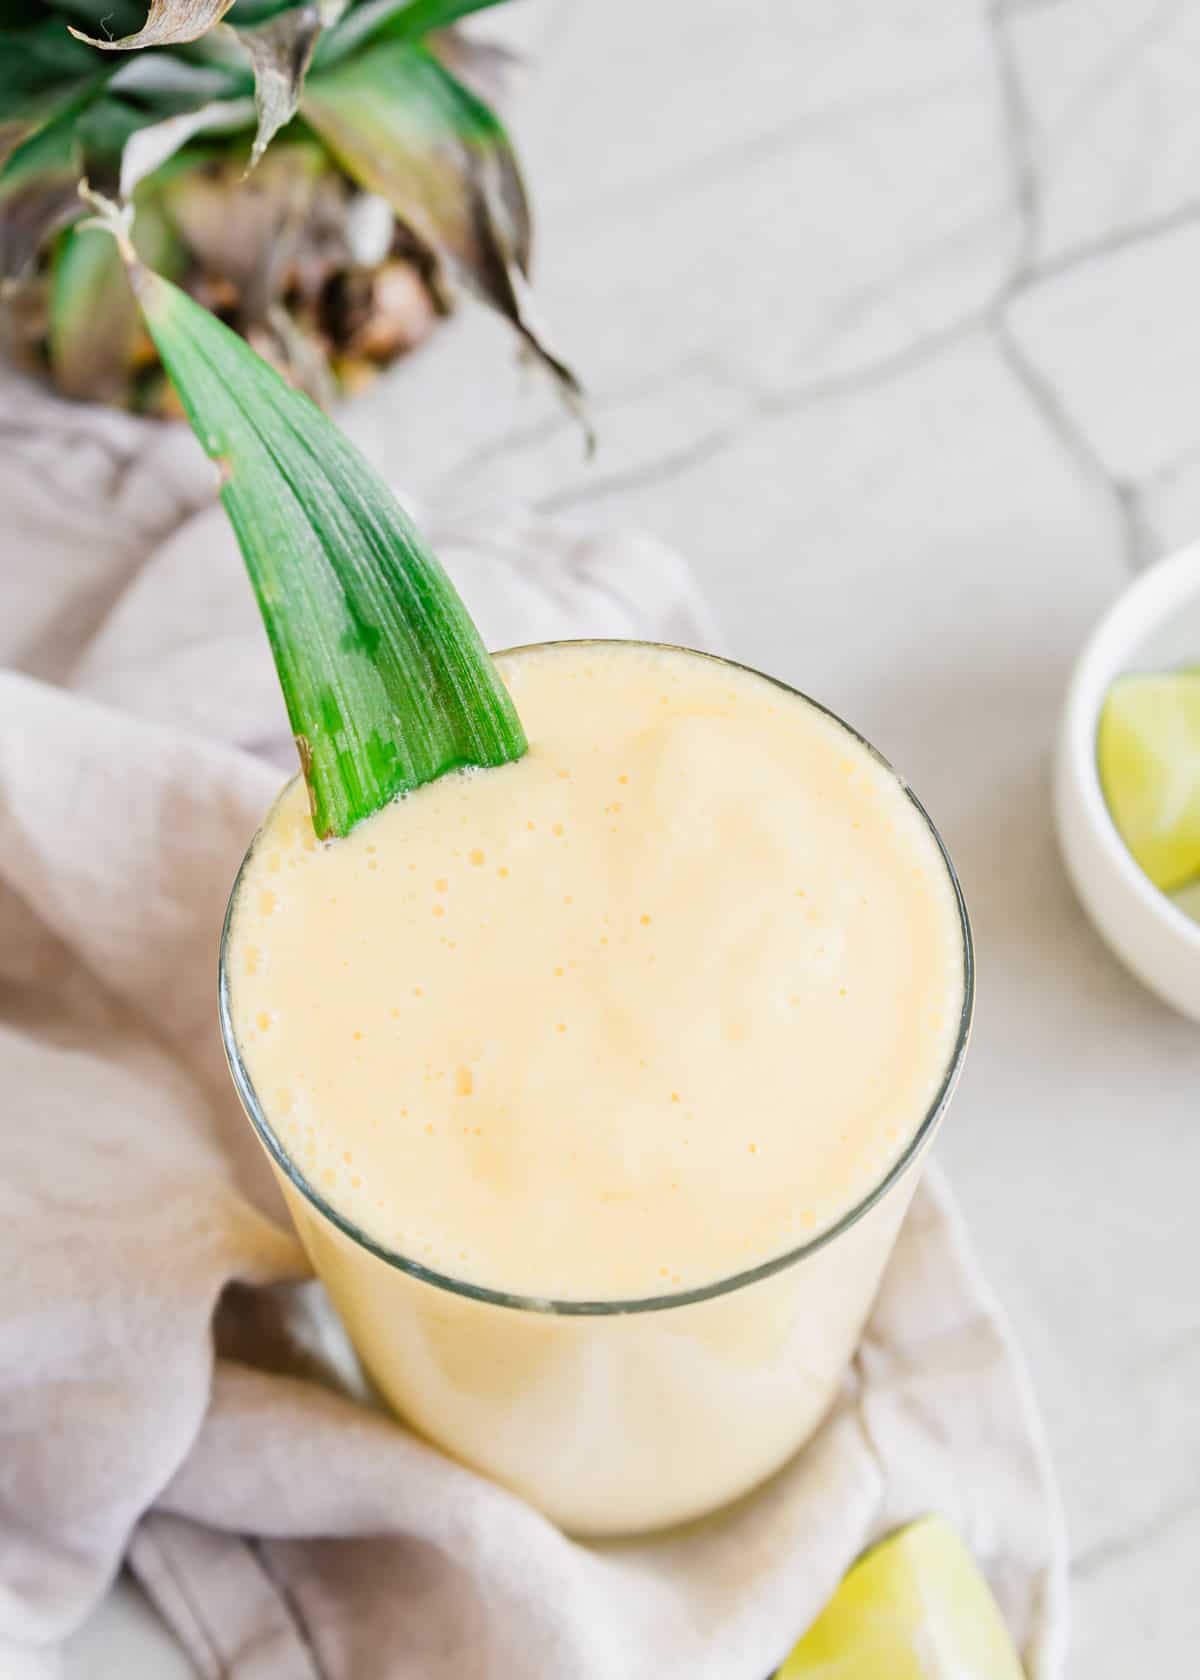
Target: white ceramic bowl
[[1152, 626]]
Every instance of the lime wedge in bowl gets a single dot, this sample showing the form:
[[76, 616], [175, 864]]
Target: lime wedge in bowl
[[915, 1607], [1148, 754], [1187, 899]]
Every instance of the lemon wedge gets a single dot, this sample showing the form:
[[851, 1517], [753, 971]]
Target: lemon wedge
[[1148, 753], [915, 1607]]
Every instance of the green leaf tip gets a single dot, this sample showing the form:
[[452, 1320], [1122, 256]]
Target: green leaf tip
[[387, 683]]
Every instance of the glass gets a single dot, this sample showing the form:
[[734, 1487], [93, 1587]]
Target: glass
[[614, 1416]]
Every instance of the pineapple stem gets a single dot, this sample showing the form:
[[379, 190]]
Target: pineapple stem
[[116, 219]]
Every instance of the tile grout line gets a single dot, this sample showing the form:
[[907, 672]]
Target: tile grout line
[[656, 471], [1018, 126], [1136, 537], [1121, 239], [765, 404], [734, 157], [761, 407], [554, 425], [1138, 540], [1013, 8]]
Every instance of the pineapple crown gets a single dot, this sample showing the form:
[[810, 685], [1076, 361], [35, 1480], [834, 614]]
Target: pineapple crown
[[146, 105]]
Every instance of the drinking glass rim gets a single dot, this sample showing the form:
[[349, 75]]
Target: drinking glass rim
[[647, 1303]]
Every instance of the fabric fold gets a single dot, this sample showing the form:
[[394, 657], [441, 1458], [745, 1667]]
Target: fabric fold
[[173, 1390]]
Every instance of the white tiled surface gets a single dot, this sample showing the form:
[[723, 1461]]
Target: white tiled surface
[[890, 317]]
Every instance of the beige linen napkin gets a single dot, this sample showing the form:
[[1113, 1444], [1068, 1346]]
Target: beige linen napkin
[[173, 1389]]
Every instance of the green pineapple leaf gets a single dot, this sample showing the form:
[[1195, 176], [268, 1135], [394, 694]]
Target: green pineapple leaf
[[406, 20], [93, 316], [386, 681], [422, 17], [94, 320], [43, 73], [38, 193]]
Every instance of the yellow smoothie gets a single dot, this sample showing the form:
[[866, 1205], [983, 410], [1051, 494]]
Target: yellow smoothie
[[657, 1004]]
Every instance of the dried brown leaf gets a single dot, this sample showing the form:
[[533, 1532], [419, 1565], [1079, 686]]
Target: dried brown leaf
[[168, 23], [281, 52]]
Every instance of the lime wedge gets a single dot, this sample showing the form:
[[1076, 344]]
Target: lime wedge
[[1187, 899], [1148, 751], [915, 1607]]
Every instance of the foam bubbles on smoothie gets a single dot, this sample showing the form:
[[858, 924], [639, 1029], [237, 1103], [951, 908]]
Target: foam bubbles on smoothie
[[652, 1004]]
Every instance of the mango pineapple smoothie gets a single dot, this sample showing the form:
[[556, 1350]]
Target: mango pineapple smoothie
[[550, 1055]]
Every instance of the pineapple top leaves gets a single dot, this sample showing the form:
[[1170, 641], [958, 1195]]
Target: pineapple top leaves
[[135, 95], [387, 683]]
